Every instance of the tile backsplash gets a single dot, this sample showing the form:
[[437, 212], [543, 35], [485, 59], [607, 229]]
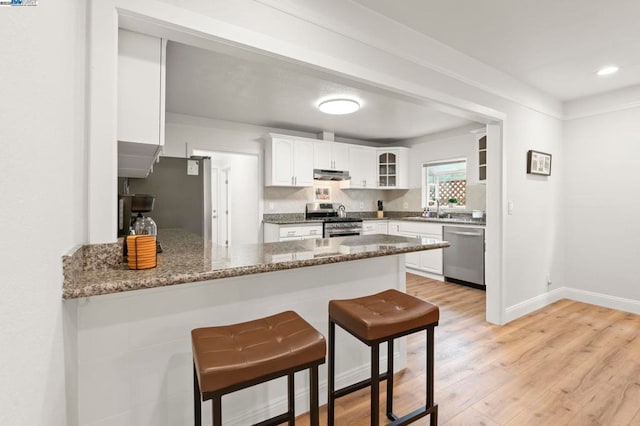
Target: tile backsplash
[[293, 200]]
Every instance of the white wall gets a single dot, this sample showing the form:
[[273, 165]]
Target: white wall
[[43, 193], [186, 133], [602, 203], [427, 149]]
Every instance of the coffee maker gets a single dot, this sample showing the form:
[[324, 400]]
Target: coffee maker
[[130, 217]]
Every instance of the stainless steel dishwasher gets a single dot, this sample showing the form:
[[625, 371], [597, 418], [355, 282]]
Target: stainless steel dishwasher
[[463, 261]]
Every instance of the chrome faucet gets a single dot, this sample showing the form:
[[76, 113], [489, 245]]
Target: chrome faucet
[[437, 202]]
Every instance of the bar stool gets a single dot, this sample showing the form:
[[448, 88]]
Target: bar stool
[[233, 357], [375, 319]]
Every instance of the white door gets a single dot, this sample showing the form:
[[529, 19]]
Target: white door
[[219, 206], [235, 186], [225, 234], [215, 205]]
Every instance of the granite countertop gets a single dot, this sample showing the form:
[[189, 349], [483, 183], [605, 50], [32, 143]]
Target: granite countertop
[[187, 258], [302, 221]]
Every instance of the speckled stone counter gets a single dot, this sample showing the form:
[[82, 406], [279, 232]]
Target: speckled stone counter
[[291, 220], [187, 258], [298, 218]]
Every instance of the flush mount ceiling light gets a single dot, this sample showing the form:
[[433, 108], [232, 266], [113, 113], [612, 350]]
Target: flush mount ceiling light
[[608, 70], [339, 106]]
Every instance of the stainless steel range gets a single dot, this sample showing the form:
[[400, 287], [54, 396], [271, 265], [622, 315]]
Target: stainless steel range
[[334, 220]]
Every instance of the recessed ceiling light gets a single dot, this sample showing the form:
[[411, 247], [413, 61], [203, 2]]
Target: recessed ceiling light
[[611, 69], [339, 106]]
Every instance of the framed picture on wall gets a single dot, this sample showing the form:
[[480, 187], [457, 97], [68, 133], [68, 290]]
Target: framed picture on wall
[[322, 194], [538, 163]]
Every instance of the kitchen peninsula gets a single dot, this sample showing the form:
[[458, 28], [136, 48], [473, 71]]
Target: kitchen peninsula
[[133, 327]]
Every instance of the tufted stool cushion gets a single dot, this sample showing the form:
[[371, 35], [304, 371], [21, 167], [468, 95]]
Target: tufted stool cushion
[[376, 319], [228, 355], [382, 315]]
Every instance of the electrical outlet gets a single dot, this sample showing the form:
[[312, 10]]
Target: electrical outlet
[[272, 206], [405, 205], [510, 207], [361, 205]]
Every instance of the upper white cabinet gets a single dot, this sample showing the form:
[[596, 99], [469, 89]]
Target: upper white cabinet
[[393, 168], [141, 101], [329, 155], [288, 161], [362, 167]]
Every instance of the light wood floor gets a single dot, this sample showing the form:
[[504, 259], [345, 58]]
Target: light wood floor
[[567, 364]]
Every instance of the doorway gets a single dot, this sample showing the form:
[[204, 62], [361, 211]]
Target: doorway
[[234, 197]]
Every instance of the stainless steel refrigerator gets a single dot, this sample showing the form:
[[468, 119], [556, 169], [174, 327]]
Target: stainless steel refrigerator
[[182, 187]]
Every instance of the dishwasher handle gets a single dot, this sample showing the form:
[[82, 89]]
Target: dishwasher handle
[[470, 234]]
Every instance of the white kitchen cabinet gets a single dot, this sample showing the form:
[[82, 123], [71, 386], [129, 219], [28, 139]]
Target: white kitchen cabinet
[[328, 155], [482, 157], [362, 168], [141, 102], [288, 232], [370, 227], [288, 161], [427, 260], [393, 168]]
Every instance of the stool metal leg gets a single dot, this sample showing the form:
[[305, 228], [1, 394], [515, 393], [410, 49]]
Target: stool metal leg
[[216, 410], [430, 375], [331, 373], [292, 399], [197, 411], [375, 384], [313, 395], [390, 414]]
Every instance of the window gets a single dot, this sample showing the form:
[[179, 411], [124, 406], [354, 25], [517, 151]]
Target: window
[[445, 181]]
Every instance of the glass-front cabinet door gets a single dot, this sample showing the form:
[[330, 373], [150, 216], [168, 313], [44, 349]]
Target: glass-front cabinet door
[[387, 170], [393, 168]]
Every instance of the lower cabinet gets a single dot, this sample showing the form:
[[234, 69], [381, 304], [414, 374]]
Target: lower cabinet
[[275, 232], [370, 227], [428, 260]]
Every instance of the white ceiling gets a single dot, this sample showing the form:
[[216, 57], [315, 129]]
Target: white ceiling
[[554, 45], [254, 89]]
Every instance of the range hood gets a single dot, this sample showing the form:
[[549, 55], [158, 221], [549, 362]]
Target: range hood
[[322, 174]]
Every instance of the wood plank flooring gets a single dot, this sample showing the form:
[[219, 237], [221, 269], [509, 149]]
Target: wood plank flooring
[[567, 364]]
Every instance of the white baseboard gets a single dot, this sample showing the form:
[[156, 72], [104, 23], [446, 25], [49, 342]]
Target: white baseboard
[[604, 300], [599, 299], [528, 306]]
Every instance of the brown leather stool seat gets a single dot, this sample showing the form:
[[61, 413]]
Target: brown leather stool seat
[[232, 357], [376, 319]]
